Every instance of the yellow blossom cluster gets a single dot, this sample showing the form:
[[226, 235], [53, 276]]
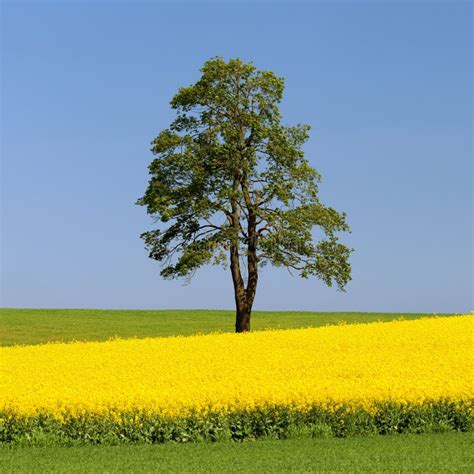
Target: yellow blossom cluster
[[402, 361]]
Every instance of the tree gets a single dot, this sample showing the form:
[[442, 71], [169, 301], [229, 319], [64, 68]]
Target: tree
[[233, 185]]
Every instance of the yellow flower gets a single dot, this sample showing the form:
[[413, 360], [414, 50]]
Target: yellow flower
[[402, 361]]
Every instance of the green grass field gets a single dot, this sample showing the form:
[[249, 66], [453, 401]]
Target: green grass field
[[37, 326], [447, 452], [402, 453]]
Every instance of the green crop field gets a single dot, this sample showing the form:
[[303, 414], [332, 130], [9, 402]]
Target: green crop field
[[37, 326], [402, 453]]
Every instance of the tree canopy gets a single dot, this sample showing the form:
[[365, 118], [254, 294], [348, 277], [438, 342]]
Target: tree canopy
[[230, 184]]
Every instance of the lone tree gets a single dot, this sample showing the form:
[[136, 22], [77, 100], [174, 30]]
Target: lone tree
[[232, 184]]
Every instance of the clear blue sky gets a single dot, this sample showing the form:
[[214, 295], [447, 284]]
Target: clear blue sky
[[386, 87]]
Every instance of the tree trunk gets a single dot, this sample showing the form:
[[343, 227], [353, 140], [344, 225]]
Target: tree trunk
[[244, 295], [242, 320], [242, 316]]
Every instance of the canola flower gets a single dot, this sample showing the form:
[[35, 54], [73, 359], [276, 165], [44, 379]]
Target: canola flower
[[407, 362]]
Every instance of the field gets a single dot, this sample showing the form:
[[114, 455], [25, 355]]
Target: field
[[391, 377], [451, 452], [38, 326]]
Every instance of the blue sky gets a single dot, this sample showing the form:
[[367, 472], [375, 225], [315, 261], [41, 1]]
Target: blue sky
[[385, 86]]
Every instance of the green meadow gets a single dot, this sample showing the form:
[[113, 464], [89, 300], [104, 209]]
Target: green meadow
[[403, 453], [38, 326]]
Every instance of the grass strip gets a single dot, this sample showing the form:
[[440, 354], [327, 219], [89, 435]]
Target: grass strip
[[450, 452], [38, 326]]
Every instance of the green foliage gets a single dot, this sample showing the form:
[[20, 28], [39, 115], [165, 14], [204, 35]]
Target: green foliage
[[268, 423], [229, 175]]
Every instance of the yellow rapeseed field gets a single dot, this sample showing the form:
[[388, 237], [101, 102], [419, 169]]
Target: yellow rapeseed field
[[403, 361]]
